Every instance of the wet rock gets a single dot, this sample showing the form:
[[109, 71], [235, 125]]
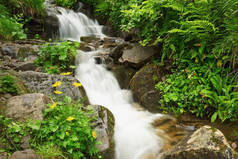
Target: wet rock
[[26, 154], [138, 55], [143, 86], [85, 47], [89, 39], [27, 106], [42, 83], [205, 143], [117, 51], [104, 127], [123, 75]]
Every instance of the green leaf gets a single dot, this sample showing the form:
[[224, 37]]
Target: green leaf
[[214, 117]]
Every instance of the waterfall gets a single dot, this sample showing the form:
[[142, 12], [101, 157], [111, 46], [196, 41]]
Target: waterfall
[[134, 136], [75, 25]]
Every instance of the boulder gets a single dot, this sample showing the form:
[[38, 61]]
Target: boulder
[[205, 143], [123, 74], [138, 55], [26, 154], [117, 51], [89, 39], [104, 127], [42, 83], [27, 106], [143, 86], [25, 66], [19, 51]]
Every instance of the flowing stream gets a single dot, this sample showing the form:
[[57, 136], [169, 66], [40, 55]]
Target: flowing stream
[[134, 136]]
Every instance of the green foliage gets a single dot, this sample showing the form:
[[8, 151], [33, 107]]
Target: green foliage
[[201, 88], [66, 131], [57, 57], [68, 127], [10, 27], [66, 3], [12, 133], [8, 85]]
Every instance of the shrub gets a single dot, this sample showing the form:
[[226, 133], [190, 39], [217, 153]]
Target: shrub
[[66, 131], [8, 85], [57, 57], [204, 90]]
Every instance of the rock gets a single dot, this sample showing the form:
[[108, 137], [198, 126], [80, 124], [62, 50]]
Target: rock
[[104, 127], [3, 155], [26, 66], [19, 51], [138, 55], [42, 83], [89, 39], [7, 96], [143, 86], [9, 49], [27, 106], [26, 154], [205, 143], [117, 51], [85, 47], [123, 75]]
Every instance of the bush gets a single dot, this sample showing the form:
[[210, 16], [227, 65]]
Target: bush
[[10, 28], [57, 57], [8, 85], [66, 131], [204, 90]]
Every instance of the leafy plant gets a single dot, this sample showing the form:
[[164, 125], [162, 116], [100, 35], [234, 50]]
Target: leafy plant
[[12, 133], [204, 90], [8, 85], [57, 57], [69, 128]]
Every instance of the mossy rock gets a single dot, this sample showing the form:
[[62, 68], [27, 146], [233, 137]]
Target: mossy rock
[[143, 86]]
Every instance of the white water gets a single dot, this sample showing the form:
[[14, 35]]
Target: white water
[[74, 25], [134, 135]]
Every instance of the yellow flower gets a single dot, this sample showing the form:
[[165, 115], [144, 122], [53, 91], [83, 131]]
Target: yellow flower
[[70, 118], [65, 73], [77, 84], [53, 105], [57, 84], [94, 134], [57, 92]]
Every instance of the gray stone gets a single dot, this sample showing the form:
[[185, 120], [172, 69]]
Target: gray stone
[[42, 83], [27, 106], [205, 143], [143, 86], [104, 127], [26, 66], [138, 55], [117, 51], [123, 74], [9, 50], [26, 154]]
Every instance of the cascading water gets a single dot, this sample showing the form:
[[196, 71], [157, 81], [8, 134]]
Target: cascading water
[[75, 25], [134, 136]]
